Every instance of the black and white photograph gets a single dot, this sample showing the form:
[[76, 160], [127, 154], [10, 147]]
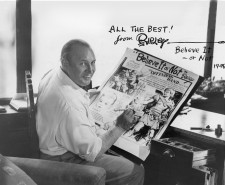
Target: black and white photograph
[[112, 92]]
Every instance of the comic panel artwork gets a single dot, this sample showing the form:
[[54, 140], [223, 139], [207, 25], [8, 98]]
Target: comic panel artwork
[[152, 113], [127, 81]]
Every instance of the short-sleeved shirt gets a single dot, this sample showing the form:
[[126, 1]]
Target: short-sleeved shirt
[[64, 121]]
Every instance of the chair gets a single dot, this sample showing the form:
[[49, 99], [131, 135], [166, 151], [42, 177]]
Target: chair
[[45, 172], [31, 107]]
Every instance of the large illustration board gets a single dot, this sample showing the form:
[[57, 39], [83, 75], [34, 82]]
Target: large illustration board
[[155, 89]]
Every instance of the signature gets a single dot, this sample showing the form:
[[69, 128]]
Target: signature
[[143, 40]]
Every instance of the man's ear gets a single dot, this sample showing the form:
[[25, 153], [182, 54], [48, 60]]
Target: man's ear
[[65, 62]]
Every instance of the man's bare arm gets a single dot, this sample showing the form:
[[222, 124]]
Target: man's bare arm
[[123, 123]]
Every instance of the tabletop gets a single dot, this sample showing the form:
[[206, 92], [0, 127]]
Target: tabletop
[[201, 122]]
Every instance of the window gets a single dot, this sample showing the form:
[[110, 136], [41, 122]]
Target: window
[[7, 49], [56, 22], [218, 68]]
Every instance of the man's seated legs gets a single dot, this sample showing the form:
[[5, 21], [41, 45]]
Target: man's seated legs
[[119, 170]]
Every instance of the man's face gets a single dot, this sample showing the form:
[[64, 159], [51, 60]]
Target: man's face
[[81, 65]]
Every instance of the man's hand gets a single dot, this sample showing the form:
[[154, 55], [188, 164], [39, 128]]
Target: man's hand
[[93, 93], [123, 123], [126, 119]]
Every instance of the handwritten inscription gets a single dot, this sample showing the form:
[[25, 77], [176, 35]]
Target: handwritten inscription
[[143, 40], [137, 29], [116, 29], [205, 58], [120, 38], [159, 36], [222, 66], [200, 53], [178, 49], [158, 29]]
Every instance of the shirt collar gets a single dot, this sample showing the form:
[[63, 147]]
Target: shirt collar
[[67, 81]]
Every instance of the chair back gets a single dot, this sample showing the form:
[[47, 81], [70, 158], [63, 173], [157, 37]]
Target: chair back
[[34, 143]]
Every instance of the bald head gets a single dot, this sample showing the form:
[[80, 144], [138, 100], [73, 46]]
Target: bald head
[[78, 61], [72, 47]]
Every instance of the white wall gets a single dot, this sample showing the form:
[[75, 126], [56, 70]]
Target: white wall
[[56, 22]]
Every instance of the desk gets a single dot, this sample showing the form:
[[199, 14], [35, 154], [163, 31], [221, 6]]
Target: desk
[[14, 140], [213, 104], [201, 118], [181, 127]]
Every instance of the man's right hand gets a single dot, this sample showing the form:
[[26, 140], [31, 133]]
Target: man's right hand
[[126, 119], [123, 123]]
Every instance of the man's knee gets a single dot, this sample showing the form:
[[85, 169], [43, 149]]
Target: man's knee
[[135, 171], [120, 170]]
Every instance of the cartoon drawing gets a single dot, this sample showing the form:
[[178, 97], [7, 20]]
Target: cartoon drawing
[[156, 111], [163, 104], [106, 100], [146, 127], [126, 81]]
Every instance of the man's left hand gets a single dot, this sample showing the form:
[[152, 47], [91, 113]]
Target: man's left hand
[[93, 93]]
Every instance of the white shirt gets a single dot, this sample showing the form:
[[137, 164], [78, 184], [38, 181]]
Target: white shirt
[[64, 121]]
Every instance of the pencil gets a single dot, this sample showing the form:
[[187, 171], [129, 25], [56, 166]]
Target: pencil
[[119, 110]]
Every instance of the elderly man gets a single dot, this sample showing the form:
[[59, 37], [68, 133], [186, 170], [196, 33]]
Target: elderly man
[[65, 126]]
